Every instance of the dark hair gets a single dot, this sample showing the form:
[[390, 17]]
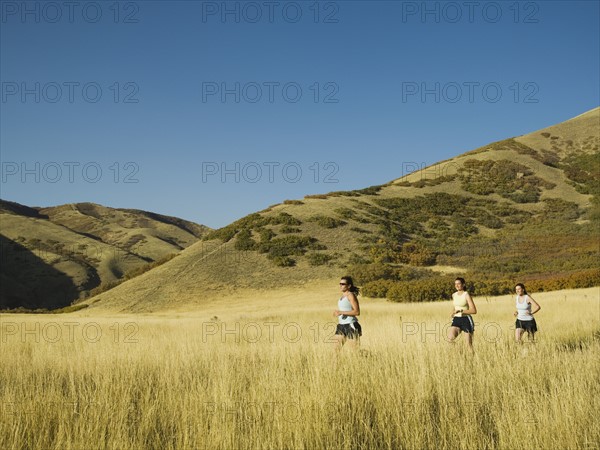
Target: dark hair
[[355, 290], [462, 280], [522, 287]]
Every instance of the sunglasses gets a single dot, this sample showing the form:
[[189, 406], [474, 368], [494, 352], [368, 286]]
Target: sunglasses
[[343, 284]]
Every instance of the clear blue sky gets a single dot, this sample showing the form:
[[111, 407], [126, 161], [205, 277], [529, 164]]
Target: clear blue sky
[[134, 90]]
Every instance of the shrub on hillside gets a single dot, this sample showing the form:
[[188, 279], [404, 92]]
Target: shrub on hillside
[[557, 208], [146, 267], [583, 171], [225, 234], [462, 227], [285, 219], [489, 221], [364, 273], [377, 288], [415, 254], [431, 289], [549, 158], [326, 221], [288, 246], [345, 213], [506, 178], [282, 261], [371, 190], [355, 258], [103, 287], [244, 241], [575, 280], [266, 234], [287, 229], [317, 196], [318, 259]]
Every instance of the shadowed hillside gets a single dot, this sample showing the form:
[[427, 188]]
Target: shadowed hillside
[[525, 208], [87, 247], [52, 288]]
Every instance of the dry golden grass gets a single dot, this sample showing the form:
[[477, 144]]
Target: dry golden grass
[[256, 371], [583, 131]]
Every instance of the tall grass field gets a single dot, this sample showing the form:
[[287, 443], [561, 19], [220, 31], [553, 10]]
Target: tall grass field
[[261, 374]]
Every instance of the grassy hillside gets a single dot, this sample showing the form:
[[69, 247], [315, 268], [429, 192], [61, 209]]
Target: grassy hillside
[[522, 209], [54, 256]]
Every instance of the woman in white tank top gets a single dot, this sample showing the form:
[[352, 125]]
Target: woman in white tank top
[[348, 328], [462, 309], [526, 308]]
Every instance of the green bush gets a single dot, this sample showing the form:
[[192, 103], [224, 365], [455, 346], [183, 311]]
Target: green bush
[[225, 234], [575, 280], [365, 273], [345, 213], [377, 288], [318, 259], [355, 258], [371, 190], [266, 234], [288, 246], [287, 229], [416, 254], [282, 261], [489, 221], [507, 178], [582, 170], [285, 219], [244, 241], [326, 221], [556, 208], [317, 196], [431, 289]]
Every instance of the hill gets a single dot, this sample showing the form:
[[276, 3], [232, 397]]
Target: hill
[[54, 256], [525, 208]]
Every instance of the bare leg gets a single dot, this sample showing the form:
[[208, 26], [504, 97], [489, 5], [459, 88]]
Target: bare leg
[[518, 334], [453, 332], [470, 341], [339, 342], [354, 344]]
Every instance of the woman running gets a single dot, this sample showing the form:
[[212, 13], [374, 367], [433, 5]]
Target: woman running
[[348, 310], [524, 314], [463, 308]]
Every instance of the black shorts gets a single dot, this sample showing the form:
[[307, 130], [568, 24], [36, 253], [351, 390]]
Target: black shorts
[[527, 325], [349, 330], [465, 323]]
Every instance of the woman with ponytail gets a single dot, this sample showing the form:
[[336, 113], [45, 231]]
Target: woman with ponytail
[[348, 310]]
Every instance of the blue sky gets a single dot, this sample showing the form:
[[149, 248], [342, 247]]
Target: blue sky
[[209, 111]]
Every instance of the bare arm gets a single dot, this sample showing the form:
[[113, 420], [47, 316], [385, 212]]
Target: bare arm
[[472, 308], [536, 306]]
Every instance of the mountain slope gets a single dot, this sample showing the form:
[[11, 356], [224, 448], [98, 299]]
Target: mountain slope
[[53, 256], [523, 208]]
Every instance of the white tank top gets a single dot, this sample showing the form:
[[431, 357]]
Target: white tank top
[[345, 305], [460, 302], [524, 308]]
